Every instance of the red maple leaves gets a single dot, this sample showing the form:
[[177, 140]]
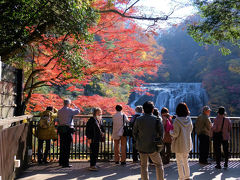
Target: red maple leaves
[[120, 47]]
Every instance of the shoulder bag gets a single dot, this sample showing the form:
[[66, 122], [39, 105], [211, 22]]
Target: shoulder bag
[[219, 135], [126, 129]]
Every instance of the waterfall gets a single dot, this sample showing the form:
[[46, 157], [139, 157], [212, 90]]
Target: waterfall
[[170, 94]]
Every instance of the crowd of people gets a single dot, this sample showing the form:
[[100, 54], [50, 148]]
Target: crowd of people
[[155, 136]]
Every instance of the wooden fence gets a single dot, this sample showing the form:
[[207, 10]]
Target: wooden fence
[[80, 149], [15, 140]]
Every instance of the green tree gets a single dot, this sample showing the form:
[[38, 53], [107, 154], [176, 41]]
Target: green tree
[[220, 23], [25, 21]]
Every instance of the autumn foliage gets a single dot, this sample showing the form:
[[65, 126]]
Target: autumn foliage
[[120, 47]]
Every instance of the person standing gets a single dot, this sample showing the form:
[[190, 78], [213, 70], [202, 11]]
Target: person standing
[[145, 130], [46, 132], [167, 139], [156, 112], [65, 130], [182, 140], [138, 111], [203, 128], [95, 134], [221, 135], [119, 119]]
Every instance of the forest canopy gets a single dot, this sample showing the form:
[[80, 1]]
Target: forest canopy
[[219, 24], [193, 63]]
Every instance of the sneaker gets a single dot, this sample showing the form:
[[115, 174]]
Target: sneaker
[[93, 168], [117, 162], [225, 165], [66, 166], [204, 163], [45, 162], [218, 167], [136, 161], [123, 163]]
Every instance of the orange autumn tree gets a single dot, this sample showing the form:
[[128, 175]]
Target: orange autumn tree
[[118, 50]]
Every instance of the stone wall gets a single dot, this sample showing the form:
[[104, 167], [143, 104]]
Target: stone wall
[[8, 90]]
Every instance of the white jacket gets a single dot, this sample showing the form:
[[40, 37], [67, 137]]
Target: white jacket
[[118, 125], [181, 133]]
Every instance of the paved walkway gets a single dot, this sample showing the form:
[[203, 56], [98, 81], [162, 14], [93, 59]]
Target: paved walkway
[[110, 171]]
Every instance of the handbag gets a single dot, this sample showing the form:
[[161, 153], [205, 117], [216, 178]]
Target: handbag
[[53, 132], [126, 129], [101, 135], [158, 140], [102, 138], [219, 135]]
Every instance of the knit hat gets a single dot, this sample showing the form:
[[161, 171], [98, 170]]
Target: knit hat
[[221, 110]]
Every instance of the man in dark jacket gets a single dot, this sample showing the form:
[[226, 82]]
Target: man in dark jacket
[[138, 111], [145, 130]]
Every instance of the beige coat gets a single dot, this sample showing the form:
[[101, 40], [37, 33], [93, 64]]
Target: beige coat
[[181, 133], [118, 125]]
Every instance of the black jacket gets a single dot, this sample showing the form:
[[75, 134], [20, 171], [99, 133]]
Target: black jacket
[[94, 130], [145, 130]]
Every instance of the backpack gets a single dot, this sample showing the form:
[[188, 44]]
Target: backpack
[[45, 121]]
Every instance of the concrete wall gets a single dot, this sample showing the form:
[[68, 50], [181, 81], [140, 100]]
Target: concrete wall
[[8, 91]]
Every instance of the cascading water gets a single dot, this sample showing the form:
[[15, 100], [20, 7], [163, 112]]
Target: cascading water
[[170, 94]]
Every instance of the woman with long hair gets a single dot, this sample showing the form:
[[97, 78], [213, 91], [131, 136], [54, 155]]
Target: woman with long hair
[[182, 140]]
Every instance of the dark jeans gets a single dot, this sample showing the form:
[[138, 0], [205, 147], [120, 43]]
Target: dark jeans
[[65, 143], [203, 148], [217, 142], [94, 148], [166, 153], [134, 150], [40, 150]]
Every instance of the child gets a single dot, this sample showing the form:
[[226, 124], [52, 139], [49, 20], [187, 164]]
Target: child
[[167, 139], [138, 110]]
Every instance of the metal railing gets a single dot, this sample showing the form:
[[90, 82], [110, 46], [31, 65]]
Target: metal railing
[[80, 149]]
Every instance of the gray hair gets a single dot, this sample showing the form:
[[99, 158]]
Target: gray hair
[[66, 102], [139, 109], [95, 110]]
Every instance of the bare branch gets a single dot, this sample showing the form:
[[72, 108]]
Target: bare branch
[[131, 6], [156, 19]]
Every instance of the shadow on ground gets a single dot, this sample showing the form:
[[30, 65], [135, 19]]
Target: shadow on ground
[[111, 171]]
